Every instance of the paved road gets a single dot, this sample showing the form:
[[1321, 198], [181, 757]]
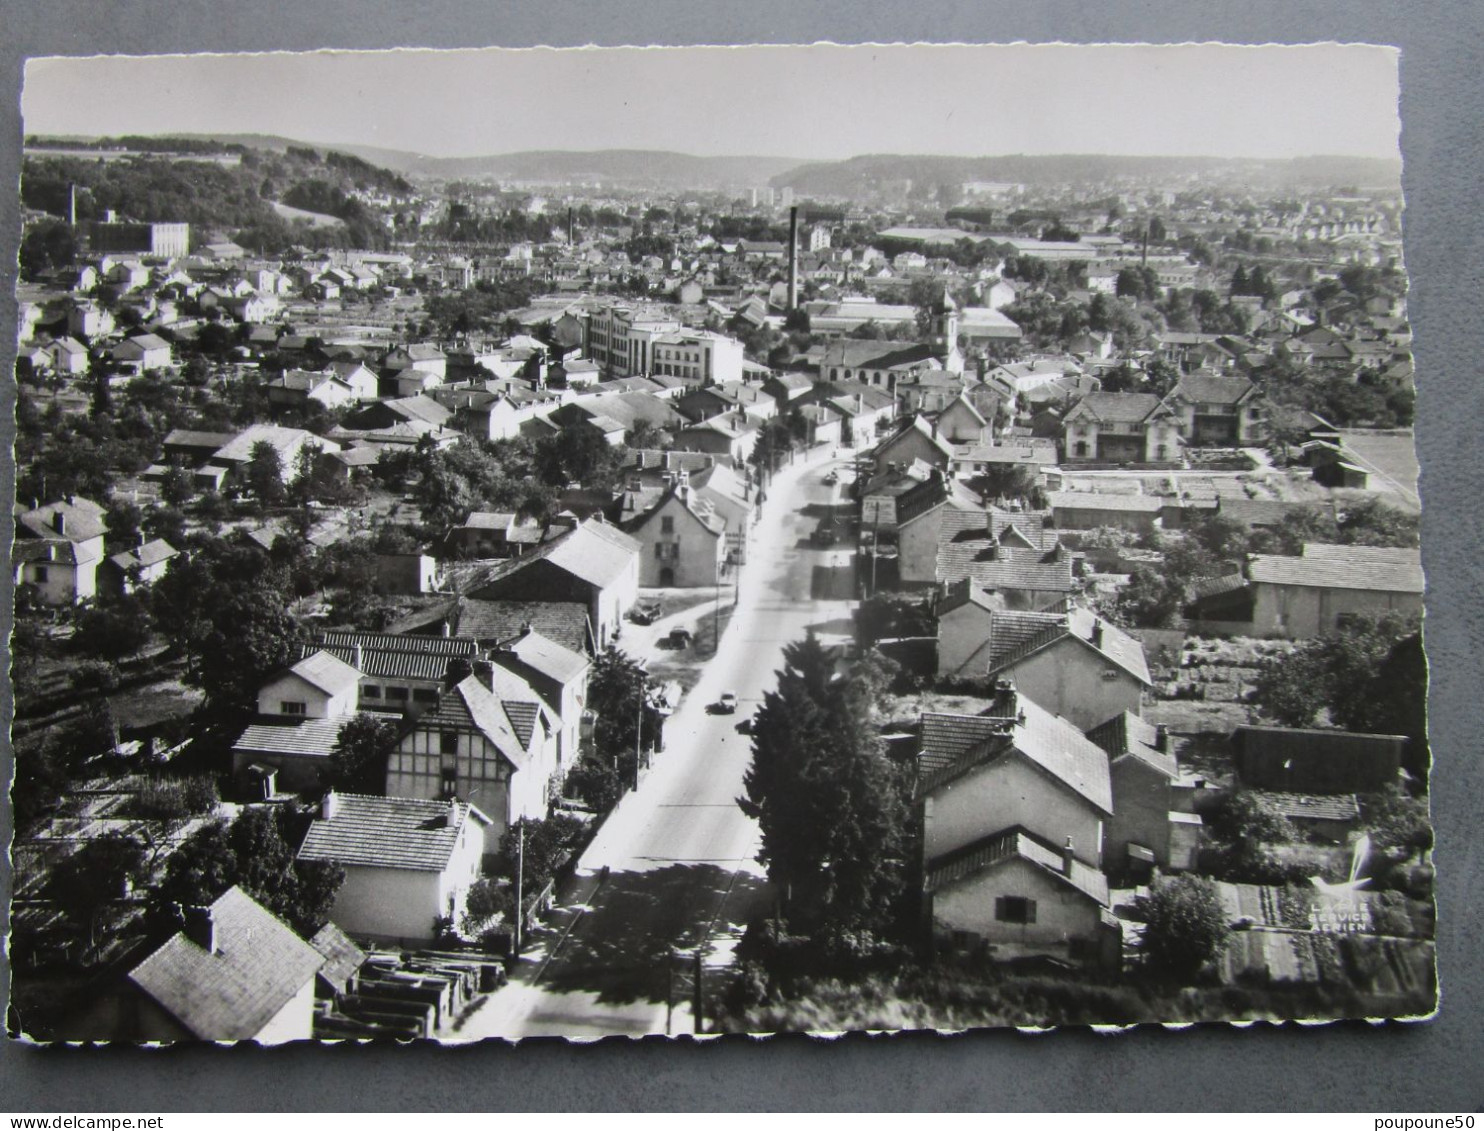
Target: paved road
[[675, 865]]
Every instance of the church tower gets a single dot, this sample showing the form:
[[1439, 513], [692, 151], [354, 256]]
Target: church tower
[[945, 332]]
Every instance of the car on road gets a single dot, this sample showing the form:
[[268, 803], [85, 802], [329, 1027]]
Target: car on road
[[727, 704], [646, 612], [747, 725], [678, 638], [832, 478]]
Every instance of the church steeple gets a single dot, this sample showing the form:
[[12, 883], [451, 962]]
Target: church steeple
[[945, 331]]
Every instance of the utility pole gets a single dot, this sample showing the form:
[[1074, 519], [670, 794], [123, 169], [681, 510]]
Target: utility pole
[[638, 729], [700, 1008], [520, 883]]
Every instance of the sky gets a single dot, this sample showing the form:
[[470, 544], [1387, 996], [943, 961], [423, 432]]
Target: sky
[[820, 102]]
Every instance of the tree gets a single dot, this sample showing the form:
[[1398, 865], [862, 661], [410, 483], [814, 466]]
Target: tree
[[47, 246], [252, 852], [359, 758], [830, 806], [115, 631], [1151, 599], [177, 487], [265, 473], [618, 692], [1184, 925], [94, 878]]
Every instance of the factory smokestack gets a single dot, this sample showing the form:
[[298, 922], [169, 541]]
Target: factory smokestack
[[571, 227], [72, 206], [793, 258]]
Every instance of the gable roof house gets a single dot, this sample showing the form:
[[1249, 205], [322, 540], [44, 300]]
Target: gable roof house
[[1121, 428], [491, 740], [1012, 805], [556, 673], [682, 539], [1217, 410], [142, 353], [408, 862], [58, 548], [594, 564], [1069, 661], [144, 565], [1154, 822], [233, 972], [1310, 595], [916, 439], [1012, 554]]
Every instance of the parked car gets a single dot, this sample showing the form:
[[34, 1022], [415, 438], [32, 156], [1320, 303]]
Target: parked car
[[646, 612], [679, 638], [727, 704]]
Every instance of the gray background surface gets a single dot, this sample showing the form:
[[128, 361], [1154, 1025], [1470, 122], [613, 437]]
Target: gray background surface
[[1432, 1066]]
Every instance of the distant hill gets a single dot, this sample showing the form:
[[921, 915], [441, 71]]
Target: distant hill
[[859, 176], [621, 168]]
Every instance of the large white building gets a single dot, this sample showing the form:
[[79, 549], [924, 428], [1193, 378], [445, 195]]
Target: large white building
[[633, 341]]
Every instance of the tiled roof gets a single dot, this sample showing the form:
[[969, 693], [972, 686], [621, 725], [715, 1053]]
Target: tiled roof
[[326, 672], [1348, 572], [1089, 501], [1312, 806], [1050, 742], [388, 832], [1212, 388], [186, 438], [560, 621], [1013, 844], [946, 738], [507, 723], [312, 738], [342, 957], [257, 967], [594, 552], [460, 645], [1116, 408], [1019, 554], [1127, 736], [151, 553], [82, 517], [548, 657]]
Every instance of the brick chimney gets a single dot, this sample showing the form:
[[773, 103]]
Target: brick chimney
[[484, 671], [329, 806], [1162, 738], [1097, 633], [59, 522], [200, 928]]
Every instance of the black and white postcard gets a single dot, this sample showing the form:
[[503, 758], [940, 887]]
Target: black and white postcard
[[630, 541]]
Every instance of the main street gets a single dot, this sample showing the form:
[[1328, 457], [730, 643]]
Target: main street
[[674, 866]]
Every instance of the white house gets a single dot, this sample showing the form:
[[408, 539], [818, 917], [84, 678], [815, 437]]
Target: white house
[[409, 863], [319, 686]]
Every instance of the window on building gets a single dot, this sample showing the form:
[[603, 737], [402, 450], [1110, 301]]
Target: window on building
[[397, 693], [41, 573], [370, 691], [448, 783], [292, 707], [424, 695], [1015, 909], [448, 742], [667, 524]]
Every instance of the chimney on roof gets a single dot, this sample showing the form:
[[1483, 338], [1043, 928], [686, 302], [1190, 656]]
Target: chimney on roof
[[1097, 632], [59, 522], [329, 806], [1162, 738], [200, 928], [445, 628], [359, 661], [525, 628], [1068, 854], [484, 671]]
